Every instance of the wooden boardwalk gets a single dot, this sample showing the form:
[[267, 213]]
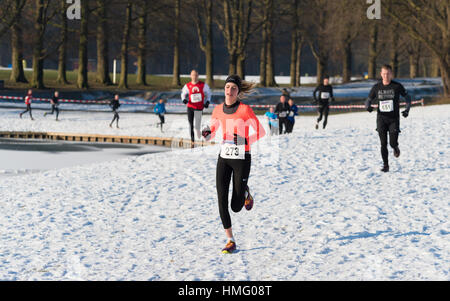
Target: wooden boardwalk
[[160, 141]]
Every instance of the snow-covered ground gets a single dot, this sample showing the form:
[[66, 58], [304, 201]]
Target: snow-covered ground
[[323, 210]]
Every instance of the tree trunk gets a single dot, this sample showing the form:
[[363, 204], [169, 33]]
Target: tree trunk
[[394, 55], [141, 78], [82, 81], [270, 64], [321, 69], [123, 84], [294, 44], [435, 67], [414, 65], [62, 51], [38, 61], [232, 63], [298, 66], [263, 58], [206, 46], [444, 66], [209, 51], [240, 66], [293, 70], [102, 45], [347, 62], [17, 72], [373, 40], [176, 47]]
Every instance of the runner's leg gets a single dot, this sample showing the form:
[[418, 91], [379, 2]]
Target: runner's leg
[[223, 178]]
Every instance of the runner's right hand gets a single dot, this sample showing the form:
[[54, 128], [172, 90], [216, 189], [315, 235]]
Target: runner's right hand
[[206, 133], [370, 109], [185, 101]]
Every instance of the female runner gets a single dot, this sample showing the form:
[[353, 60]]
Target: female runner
[[234, 160]]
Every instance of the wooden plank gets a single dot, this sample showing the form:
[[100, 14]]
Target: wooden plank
[[168, 142]]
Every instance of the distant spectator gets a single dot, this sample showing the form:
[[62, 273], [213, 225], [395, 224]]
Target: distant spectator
[[160, 110]]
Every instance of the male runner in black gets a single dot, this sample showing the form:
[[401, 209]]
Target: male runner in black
[[115, 104], [282, 111], [387, 94], [325, 94], [55, 105]]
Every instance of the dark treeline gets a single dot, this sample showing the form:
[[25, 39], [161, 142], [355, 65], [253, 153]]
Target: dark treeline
[[265, 37]]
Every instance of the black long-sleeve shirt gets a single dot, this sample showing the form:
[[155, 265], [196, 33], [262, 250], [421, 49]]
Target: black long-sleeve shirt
[[325, 94], [388, 98], [282, 110], [114, 104]]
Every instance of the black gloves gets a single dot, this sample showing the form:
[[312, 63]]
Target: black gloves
[[405, 113], [238, 140], [369, 109], [206, 133], [185, 101], [206, 104]]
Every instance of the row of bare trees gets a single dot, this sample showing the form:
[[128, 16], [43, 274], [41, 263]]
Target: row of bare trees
[[414, 32]]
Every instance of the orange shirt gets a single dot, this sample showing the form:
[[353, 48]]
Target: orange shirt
[[237, 123]]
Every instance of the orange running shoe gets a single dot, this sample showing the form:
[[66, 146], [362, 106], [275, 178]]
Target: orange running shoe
[[230, 247], [248, 200]]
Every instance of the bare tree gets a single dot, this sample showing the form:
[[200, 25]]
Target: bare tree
[[176, 45], [204, 25], [235, 27], [419, 18], [82, 80], [62, 51], [123, 83], [17, 72], [102, 43]]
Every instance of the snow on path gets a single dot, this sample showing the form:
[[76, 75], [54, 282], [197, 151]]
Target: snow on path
[[323, 211]]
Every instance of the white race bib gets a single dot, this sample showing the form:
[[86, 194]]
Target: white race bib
[[197, 97], [386, 106], [291, 114], [282, 114], [232, 151], [325, 95]]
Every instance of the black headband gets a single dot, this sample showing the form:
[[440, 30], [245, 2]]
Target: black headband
[[235, 79]]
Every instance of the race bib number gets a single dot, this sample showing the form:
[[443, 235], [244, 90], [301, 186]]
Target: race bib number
[[291, 114], [325, 95], [386, 106], [197, 97], [232, 151], [283, 114]]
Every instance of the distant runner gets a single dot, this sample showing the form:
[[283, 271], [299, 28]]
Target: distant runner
[[272, 119], [325, 93], [293, 111], [282, 110], [234, 160], [160, 110], [115, 104], [197, 96], [387, 95], [55, 105], [28, 99]]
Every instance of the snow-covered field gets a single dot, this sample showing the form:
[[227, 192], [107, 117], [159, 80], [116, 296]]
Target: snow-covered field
[[323, 210]]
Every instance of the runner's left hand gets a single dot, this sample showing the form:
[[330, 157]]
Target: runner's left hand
[[405, 113]]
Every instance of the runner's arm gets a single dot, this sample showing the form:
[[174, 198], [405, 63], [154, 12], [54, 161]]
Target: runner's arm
[[407, 98], [185, 93], [207, 92], [259, 129], [368, 103], [314, 95]]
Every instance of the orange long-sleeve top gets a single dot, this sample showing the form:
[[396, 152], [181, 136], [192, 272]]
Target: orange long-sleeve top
[[237, 123]]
